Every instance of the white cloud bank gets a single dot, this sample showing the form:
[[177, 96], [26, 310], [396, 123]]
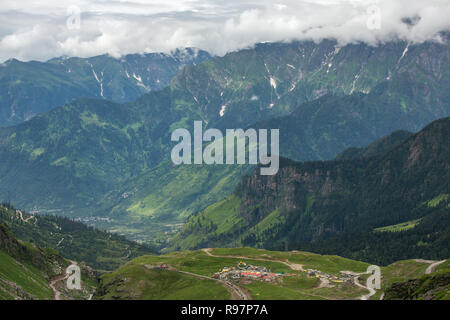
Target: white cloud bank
[[39, 30]]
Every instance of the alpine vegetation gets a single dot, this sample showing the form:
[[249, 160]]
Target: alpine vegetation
[[213, 151]]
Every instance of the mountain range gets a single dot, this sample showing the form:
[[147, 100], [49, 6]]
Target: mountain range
[[94, 157], [31, 88], [363, 179]]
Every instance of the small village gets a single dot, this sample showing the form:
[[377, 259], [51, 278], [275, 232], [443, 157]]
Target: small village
[[247, 271], [244, 271]]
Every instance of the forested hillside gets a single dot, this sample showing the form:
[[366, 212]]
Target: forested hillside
[[334, 206], [97, 158], [25, 268], [30, 88], [74, 240]]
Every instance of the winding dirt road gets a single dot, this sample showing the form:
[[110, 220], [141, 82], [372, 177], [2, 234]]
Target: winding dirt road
[[365, 296], [56, 293], [62, 277], [235, 290], [432, 264], [20, 214], [357, 283], [298, 267]]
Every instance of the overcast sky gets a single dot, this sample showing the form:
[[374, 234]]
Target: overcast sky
[[44, 29]]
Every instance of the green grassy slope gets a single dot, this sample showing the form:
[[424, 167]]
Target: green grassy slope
[[139, 280], [135, 281], [399, 227], [28, 271], [18, 280], [327, 263], [434, 286]]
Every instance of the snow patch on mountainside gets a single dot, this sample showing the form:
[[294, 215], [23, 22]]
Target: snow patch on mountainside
[[273, 83], [403, 55], [138, 78], [222, 110], [98, 80]]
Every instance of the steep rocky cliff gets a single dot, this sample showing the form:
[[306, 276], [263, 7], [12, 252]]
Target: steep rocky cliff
[[314, 201]]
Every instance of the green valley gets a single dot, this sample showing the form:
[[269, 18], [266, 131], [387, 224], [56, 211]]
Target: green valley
[[94, 158], [224, 150], [30, 88]]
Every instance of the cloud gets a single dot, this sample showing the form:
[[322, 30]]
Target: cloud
[[40, 30]]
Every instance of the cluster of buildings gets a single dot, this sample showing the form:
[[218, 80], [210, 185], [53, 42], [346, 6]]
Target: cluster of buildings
[[247, 271], [244, 271], [319, 274]]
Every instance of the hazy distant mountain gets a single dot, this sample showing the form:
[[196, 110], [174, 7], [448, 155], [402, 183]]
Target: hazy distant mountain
[[30, 88]]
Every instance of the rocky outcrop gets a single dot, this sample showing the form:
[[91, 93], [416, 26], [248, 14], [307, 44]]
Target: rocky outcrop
[[426, 288]]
